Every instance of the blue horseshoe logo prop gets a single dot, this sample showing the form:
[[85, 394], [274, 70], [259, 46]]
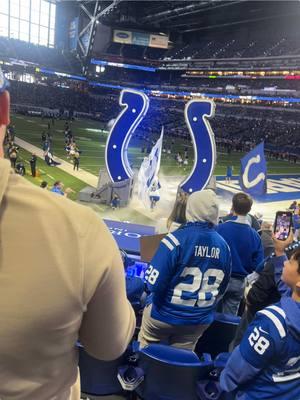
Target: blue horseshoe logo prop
[[116, 159], [196, 113]]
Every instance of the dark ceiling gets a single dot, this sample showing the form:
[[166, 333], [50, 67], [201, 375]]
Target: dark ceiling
[[188, 16]]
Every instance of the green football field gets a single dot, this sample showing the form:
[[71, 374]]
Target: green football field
[[91, 138], [50, 175]]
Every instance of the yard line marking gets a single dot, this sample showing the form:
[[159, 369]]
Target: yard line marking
[[51, 177]]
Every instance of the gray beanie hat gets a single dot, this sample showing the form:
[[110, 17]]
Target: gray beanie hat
[[202, 206]]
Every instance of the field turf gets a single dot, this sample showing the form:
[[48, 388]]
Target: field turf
[[91, 138]]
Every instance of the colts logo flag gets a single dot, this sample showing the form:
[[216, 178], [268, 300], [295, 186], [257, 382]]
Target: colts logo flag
[[148, 173], [253, 178]]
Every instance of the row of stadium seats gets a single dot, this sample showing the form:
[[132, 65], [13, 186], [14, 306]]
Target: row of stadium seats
[[214, 46], [159, 371], [256, 43]]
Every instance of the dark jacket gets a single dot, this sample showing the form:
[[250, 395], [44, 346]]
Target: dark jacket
[[267, 242], [264, 291]]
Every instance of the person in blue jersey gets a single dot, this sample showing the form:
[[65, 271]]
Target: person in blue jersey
[[58, 187], [266, 365], [246, 251], [187, 275]]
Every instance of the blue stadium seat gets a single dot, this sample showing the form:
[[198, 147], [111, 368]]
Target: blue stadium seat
[[171, 373], [219, 335], [99, 378], [210, 390], [221, 360]]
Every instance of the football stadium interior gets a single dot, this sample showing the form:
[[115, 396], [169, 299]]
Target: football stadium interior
[[130, 109]]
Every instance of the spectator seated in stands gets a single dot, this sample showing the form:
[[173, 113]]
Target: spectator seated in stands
[[246, 250], [266, 365], [187, 275]]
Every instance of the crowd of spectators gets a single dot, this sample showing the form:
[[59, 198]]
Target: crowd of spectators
[[237, 128], [83, 298], [39, 55]]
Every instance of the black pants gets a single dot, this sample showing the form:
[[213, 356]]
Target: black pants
[[13, 162], [76, 164], [33, 170]]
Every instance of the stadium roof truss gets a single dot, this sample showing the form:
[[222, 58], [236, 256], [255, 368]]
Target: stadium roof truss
[[93, 11]]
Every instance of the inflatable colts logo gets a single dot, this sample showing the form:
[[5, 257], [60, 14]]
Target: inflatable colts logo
[[196, 113], [136, 106]]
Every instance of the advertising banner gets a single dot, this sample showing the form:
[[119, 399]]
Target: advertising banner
[[122, 36]]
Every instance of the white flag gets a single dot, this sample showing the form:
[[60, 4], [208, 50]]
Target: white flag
[[148, 172]]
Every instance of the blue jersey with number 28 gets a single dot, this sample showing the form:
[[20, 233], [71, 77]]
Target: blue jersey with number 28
[[266, 365], [188, 273]]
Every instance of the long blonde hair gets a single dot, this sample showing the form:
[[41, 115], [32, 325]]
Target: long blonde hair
[[178, 213]]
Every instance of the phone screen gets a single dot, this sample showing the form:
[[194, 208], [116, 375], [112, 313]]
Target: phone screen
[[282, 225]]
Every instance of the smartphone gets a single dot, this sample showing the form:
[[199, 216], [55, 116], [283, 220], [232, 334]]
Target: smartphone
[[283, 224]]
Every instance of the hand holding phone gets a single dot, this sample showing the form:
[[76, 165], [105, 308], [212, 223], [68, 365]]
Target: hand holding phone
[[283, 224], [280, 246]]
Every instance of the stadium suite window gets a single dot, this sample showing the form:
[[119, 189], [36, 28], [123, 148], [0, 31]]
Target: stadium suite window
[[52, 15], [4, 6], [25, 9], [3, 25], [43, 40], [14, 28], [34, 34], [28, 20], [24, 30], [15, 8]]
